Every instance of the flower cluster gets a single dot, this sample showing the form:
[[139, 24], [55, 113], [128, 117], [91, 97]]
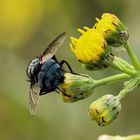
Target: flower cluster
[[94, 49]]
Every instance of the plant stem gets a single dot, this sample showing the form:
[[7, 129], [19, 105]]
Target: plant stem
[[128, 86], [132, 56], [122, 94], [123, 66], [111, 79]]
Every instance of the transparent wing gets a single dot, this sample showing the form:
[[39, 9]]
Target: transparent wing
[[52, 48], [33, 98]]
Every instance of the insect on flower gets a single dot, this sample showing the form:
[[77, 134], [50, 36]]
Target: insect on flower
[[45, 73]]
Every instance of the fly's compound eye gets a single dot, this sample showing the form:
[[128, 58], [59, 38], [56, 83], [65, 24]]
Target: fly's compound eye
[[33, 68]]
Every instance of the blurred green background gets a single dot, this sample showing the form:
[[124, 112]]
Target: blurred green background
[[26, 28]]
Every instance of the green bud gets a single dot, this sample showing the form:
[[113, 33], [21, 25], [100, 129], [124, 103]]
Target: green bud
[[76, 87], [107, 137], [105, 109]]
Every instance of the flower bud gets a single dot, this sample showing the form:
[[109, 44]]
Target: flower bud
[[107, 137], [112, 29], [76, 87], [91, 49], [105, 109]]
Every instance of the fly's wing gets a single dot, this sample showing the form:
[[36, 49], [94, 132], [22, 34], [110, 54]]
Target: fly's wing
[[33, 98], [52, 48]]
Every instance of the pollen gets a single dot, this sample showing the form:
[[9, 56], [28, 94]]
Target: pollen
[[89, 46]]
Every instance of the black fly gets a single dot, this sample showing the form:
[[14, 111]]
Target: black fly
[[45, 73]]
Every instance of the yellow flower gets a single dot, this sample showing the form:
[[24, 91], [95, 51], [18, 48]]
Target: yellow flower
[[76, 87], [107, 24], [90, 48], [112, 29], [105, 109]]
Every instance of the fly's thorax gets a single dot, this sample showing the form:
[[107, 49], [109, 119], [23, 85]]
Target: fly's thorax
[[50, 76]]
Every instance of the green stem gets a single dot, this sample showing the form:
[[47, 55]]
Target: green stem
[[122, 94], [111, 79], [132, 56], [128, 86], [123, 66]]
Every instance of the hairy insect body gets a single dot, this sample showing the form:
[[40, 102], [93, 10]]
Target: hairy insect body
[[50, 76], [45, 73], [33, 69]]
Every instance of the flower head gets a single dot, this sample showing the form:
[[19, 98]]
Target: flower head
[[105, 109], [112, 29], [91, 48], [76, 87]]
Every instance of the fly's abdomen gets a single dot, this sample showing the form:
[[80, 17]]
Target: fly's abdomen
[[32, 68]]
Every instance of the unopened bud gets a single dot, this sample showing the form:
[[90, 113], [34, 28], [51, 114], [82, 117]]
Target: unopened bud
[[76, 87], [105, 109]]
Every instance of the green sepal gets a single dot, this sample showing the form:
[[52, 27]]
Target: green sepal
[[119, 36], [104, 61]]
